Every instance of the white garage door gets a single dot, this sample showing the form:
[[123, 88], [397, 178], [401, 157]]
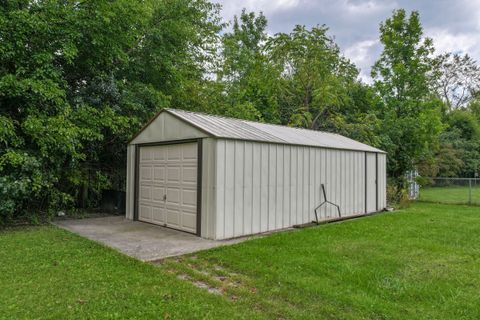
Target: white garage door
[[167, 192]]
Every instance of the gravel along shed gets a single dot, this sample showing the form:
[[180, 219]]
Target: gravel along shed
[[221, 178]]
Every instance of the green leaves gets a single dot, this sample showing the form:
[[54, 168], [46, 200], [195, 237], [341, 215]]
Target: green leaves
[[8, 138], [246, 75], [410, 114], [318, 87], [78, 79]]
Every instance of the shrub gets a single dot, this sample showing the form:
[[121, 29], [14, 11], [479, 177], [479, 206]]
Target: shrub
[[397, 197]]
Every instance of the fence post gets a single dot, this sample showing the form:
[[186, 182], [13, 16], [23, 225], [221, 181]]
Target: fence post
[[470, 191]]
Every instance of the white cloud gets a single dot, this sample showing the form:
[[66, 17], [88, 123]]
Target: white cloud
[[234, 7], [360, 52], [363, 54], [369, 7], [445, 41]]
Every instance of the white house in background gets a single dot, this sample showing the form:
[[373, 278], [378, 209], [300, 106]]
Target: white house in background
[[221, 178]]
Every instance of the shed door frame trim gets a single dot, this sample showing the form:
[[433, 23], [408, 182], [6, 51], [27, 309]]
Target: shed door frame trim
[[366, 184], [199, 176], [376, 181]]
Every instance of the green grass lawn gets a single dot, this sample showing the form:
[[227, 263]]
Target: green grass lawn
[[450, 195], [419, 263]]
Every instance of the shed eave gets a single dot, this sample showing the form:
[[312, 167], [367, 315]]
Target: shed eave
[[302, 145]]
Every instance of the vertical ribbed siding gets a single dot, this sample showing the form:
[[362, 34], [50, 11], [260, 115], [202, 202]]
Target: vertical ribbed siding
[[208, 188], [287, 187], [248, 189], [256, 192], [360, 181], [262, 187], [279, 187], [271, 185], [220, 190], [311, 180], [371, 182], [229, 201], [382, 180], [238, 188]]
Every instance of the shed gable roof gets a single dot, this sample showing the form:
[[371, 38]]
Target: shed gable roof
[[230, 128]]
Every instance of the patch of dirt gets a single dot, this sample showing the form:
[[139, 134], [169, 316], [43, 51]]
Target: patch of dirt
[[214, 290], [213, 278], [219, 268], [183, 276], [221, 278], [201, 284]]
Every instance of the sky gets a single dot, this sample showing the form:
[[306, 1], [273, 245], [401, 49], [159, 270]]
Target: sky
[[454, 25]]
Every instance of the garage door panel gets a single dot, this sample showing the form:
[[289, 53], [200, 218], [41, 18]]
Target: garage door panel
[[168, 185], [158, 194], [159, 174], [173, 196], [158, 215], [145, 212], [145, 154], [189, 211], [173, 217], [146, 173], [174, 152], [159, 154], [189, 198], [173, 174], [189, 175], [189, 221], [145, 193], [190, 154]]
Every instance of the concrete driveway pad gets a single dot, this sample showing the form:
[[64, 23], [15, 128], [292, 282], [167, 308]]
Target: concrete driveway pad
[[140, 240]]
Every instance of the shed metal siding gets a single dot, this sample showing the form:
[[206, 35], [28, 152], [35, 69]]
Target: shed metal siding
[[382, 181], [258, 177], [371, 186], [262, 187], [208, 188]]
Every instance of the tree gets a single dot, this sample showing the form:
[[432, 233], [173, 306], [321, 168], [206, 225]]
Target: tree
[[410, 114], [474, 105], [247, 75], [318, 87], [314, 76], [78, 78], [463, 134], [456, 78], [176, 50]]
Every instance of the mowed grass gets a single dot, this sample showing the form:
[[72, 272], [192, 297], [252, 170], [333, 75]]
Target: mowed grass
[[49, 273], [418, 263], [450, 195]]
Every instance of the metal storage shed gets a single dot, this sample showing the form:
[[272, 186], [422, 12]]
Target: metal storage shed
[[221, 178]]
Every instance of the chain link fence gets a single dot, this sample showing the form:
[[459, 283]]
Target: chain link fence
[[450, 190]]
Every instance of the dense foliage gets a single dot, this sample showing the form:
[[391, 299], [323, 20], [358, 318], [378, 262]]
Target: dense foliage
[[79, 78], [410, 114]]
